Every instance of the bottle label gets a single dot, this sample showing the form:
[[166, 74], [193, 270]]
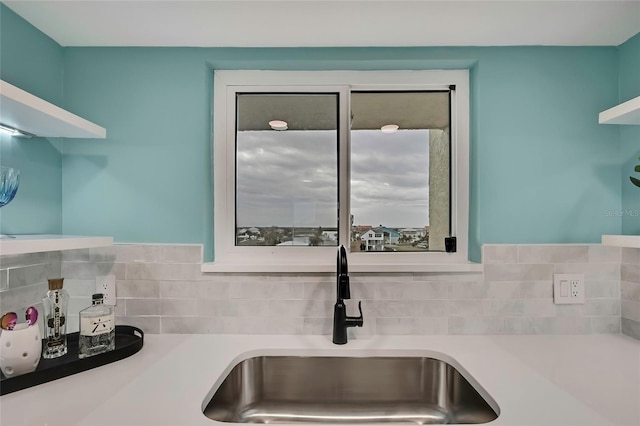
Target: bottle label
[[96, 325]]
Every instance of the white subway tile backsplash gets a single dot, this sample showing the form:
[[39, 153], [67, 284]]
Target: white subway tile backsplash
[[465, 308], [630, 291], [606, 324], [630, 310], [142, 307], [476, 325], [162, 271], [499, 253], [602, 289], [178, 307], [538, 308], [148, 324], [560, 253], [519, 272], [536, 289], [630, 272], [602, 307], [161, 289], [604, 254], [591, 271], [630, 327]]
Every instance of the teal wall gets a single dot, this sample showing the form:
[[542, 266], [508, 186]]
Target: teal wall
[[32, 61], [629, 54], [542, 169]]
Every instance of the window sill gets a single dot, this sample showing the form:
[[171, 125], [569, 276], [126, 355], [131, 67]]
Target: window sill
[[308, 267]]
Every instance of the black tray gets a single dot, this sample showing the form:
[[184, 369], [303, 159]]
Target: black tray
[[129, 340]]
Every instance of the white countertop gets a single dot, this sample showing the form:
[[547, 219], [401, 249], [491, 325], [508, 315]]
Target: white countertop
[[535, 380]]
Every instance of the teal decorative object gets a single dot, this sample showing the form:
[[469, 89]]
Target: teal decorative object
[[636, 181]]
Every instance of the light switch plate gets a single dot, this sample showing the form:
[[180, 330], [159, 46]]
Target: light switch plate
[[568, 289]]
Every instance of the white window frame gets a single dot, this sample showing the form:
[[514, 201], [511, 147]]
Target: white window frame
[[232, 258]]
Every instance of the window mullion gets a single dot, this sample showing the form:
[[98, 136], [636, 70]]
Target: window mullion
[[344, 167]]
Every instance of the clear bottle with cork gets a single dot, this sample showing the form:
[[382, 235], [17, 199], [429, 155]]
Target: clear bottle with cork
[[97, 328], [55, 306]]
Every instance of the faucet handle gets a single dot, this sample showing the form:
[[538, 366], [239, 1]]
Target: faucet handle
[[360, 319], [360, 308]]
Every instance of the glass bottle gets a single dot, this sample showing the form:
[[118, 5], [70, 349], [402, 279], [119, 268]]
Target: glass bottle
[[97, 328], [55, 320]]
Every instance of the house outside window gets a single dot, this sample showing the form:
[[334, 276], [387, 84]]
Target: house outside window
[[286, 196]]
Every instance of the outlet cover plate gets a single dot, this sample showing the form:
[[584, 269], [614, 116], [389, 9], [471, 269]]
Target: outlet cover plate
[[107, 286], [568, 289]]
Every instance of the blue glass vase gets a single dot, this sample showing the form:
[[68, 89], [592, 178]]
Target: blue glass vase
[[9, 181]]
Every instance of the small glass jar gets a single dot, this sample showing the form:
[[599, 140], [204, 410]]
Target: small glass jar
[[97, 328]]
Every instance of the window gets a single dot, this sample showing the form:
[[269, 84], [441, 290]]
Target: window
[[305, 161]]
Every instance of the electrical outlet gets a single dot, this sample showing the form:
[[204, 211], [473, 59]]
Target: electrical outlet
[[107, 286], [568, 289]]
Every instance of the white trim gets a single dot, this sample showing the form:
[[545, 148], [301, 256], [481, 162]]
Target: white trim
[[229, 258]]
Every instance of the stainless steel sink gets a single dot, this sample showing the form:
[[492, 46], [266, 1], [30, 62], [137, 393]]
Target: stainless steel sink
[[296, 389]]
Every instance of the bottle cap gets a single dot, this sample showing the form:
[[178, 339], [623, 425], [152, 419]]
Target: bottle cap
[[97, 296], [55, 283]]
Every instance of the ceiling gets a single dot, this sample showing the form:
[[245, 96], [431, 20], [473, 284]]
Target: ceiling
[[239, 23]]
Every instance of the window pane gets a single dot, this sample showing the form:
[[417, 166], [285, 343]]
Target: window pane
[[400, 180], [287, 180]]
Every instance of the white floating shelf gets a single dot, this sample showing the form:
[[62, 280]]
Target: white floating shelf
[[625, 113], [38, 243], [632, 241], [24, 111]]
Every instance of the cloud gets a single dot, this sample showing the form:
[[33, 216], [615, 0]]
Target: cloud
[[290, 178]]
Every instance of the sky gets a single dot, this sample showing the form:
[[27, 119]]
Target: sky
[[289, 178]]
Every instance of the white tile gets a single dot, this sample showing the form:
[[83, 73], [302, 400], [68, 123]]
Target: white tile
[[557, 253], [520, 272], [602, 306], [631, 255], [467, 290], [387, 308], [605, 325], [630, 291], [141, 307], [465, 308], [630, 272], [476, 325], [630, 310], [318, 325], [428, 308], [150, 325], [504, 307], [161, 271], [503, 290], [538, 308], [536, 289], [591, 271], [602, 289], [604, 254], [137, 288], [499, 253], [398, 326], [631, 328], [178, 307]]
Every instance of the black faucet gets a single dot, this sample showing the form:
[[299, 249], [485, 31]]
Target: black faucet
[[340, 319]]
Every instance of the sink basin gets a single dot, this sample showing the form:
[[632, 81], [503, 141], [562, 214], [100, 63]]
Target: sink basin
[[347, 390]]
